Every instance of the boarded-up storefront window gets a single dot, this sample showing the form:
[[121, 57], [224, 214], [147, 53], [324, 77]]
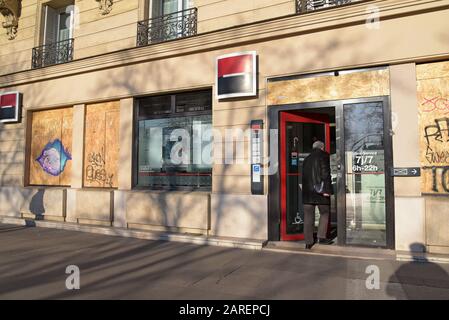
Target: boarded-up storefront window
[[351, 85], [101, 145], [433, 99], [51, 146]]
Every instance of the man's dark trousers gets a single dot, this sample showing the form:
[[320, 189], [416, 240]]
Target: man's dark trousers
[[309, 221]]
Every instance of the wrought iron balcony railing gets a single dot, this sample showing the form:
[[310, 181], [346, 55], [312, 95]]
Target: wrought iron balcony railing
[[303, 6], [52, 53], [171, 26]]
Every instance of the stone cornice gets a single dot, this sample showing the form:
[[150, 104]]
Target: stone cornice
[[231, 37], [10, 9]]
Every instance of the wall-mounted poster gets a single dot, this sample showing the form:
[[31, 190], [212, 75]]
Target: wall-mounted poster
[[236, 75], [10, 105]]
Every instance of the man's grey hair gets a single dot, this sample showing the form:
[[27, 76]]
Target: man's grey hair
[[318, 145]]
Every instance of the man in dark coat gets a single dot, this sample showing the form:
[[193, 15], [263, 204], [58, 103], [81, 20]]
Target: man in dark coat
[[316, 191]]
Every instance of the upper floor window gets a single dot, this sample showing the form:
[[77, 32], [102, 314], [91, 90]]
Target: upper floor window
[[160, 8], [58, 24], [168, 20], [57, 35]]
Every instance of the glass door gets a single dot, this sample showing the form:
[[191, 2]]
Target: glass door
[[365, 188], [64, 31]]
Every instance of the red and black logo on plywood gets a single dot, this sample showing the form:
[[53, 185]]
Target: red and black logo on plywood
[[236, 75], [10, 104]]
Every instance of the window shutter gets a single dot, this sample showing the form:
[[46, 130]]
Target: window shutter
[[51, 18], [72, 21]]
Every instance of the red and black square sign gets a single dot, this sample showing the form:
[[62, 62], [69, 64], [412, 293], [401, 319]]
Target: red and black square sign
[[237, 75], [10, 104]]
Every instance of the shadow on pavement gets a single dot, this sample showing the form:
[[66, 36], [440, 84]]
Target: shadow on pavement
[[411, 279]]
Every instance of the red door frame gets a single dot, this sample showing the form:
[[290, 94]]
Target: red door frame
[[303, 117]]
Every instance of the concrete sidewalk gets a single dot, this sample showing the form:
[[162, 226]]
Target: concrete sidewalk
[[33, 263]]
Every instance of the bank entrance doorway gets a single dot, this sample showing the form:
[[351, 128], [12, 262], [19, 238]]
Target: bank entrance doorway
[[298, 131], [357, 136]]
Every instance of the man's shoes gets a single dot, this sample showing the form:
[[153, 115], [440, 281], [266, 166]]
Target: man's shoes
[[325, 241], [309, 246]]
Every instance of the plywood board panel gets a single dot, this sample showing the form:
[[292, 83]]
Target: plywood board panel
[[51, 144], [433, 100], [432, 70], [101, 145], [346, 86], [112, 145]]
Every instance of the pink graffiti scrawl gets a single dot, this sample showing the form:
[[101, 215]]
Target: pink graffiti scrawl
[[54, 157], [436, 104]]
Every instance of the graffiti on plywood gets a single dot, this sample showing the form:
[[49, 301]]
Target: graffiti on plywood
[[53, 158], [96, 170], [435, 144], [437, 103]]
